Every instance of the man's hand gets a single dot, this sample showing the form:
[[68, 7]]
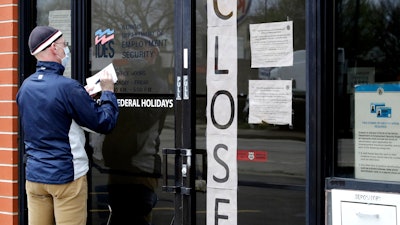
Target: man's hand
[[89, 89], [106, 82]]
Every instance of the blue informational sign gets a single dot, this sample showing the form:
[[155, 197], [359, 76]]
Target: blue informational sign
[[377, 131]]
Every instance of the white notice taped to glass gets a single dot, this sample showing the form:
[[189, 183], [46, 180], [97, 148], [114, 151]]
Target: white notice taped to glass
[[270, 101], [271, 44], [95, 79]]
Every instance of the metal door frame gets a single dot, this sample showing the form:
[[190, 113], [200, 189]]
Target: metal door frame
[[185, 108], [184, 102]]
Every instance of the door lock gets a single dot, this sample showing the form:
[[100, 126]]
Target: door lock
[[182, 170]]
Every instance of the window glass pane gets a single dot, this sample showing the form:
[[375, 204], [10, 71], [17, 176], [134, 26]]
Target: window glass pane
[[137, 39], [271, 157], [367, 40], [136, 36], [57, 14]]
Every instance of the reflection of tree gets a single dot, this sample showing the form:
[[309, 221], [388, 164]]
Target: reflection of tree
[[369, 32], [44, 6], [282, 10], [138, 16]]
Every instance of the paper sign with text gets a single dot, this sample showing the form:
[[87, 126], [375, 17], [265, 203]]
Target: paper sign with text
[[95, 79]]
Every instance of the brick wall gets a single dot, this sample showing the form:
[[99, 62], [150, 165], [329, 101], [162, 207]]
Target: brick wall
[[8, 112]]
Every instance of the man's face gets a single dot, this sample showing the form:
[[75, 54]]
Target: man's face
[[60, 45]]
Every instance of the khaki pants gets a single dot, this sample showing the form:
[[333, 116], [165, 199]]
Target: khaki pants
[[61, 204]]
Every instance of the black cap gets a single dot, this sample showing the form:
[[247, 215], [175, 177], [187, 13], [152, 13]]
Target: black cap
[[41, 37]]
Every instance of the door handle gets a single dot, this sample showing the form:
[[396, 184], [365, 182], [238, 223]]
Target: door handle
[[182, 170]]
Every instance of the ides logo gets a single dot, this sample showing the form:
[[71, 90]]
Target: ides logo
[[104, 41]]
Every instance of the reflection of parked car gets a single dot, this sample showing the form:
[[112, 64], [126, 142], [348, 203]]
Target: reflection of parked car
[[297, 72]]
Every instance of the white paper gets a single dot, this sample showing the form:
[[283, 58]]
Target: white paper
[[271, 44], [223, 203], [94, 80], [222, 164], [355, 207], [222, 15], [270, 101], [377, 132], [221, 112]]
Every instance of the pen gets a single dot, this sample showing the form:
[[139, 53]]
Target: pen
[[97, 82]]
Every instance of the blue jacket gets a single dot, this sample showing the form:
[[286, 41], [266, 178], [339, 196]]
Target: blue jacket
[[52, 108]]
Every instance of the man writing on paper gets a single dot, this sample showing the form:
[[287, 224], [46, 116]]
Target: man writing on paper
[[53, 108]]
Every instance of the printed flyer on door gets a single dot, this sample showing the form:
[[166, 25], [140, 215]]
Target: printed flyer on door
[[377, 131]]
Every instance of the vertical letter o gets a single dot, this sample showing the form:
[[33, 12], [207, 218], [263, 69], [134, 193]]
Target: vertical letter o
[[217, 125]]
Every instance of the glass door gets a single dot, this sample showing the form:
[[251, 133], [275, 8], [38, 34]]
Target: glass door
[[270, 160], [137, 38]]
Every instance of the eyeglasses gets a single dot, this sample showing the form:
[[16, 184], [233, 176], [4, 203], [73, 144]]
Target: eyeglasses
[[65, 43]]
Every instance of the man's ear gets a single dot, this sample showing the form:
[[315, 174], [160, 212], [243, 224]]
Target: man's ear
[[53, 49]]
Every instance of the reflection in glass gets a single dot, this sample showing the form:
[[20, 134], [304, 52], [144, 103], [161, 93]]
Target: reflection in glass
[[271, 188], [137, 37], [56, 14], [367, 51]]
